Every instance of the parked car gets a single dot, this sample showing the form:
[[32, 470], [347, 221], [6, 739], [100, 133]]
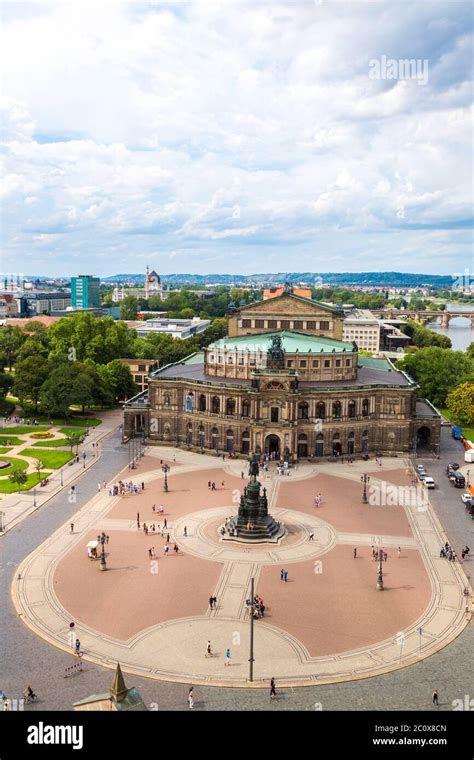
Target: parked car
[[452, 466], [422, 476], [458, 480], [470, 507], [429, 482], [466, 497]]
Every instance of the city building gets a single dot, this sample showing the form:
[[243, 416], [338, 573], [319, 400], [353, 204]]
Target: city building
[[283, 381], [176, 328], [85, 292], [363, 328], [9, 306], [35, 302], [140, 369]]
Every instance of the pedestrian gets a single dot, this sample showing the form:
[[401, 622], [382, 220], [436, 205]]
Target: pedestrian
[[282, 575], [153, 508], [149, 554], [78, 646], [209, 484], [166, 549], [99, 486], [286, 576], [208, 649], [227, 656], [165, 524], [214, 599], [241, 474], [190, 698], [355, 552], [143, 486], [185, 532], [71, 530], [399, 552], [167, 538], [222, 484], [434, 698], [311, 536], [272, 689], [211, 602], [176, 548]]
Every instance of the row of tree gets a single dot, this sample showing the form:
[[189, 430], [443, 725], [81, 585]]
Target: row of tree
[[185, 304]]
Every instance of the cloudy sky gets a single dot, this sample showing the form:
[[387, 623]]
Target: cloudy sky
[[236, 136]]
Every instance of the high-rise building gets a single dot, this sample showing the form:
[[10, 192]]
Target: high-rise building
[[85, 292]]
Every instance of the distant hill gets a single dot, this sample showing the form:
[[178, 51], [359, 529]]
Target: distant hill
[[388, 279]]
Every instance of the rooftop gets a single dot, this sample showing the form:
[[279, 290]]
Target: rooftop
[[292, 342], [378, 373]]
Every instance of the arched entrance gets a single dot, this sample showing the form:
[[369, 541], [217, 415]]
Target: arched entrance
[[350, 444], [245, 445], [423, 437], [272, 445], [319, 449], [302, 445], [139, 423], [336, 445]]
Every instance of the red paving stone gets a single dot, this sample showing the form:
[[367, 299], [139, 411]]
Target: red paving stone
[[397, 477], [342, 506], [188, 493], [146, 464], [340, 609], [128, 598]]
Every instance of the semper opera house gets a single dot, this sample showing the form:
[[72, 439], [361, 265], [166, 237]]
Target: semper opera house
[[283, 382]]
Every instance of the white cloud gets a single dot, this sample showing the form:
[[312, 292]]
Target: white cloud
[[136, 127]]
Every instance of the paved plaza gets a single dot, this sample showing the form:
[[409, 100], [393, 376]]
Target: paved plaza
[[328, 624]]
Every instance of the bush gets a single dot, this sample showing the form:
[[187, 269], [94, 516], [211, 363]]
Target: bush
[[42, 435]]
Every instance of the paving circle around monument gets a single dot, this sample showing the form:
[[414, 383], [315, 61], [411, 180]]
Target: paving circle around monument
[[296, 546]]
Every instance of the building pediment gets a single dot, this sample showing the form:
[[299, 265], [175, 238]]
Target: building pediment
[[288, 305]]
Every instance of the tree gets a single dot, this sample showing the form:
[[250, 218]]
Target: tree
[[38, 468], [460, 404], [129, 308], [74, 439], [18, 477], [437, 371], [470, 350], [11, 339], [120, 380], [30, 374]]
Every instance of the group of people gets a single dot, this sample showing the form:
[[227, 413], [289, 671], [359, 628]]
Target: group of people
[[448, 552], [284, 575], [258, 607], [212, 485], [121, 488], [318, 500], [166, 548]]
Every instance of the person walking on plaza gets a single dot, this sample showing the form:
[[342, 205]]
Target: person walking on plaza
[[208, 649], [434, 698], [166, 549], [78, 646], [191, 698], [355, 552], [165, 524], [311, 536], [285, 577], [282, 575], [185, 531], [272, 689], [227, 657], [399, 552]]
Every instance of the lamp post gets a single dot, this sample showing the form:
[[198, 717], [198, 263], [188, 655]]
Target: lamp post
[[34, 497], [252, 607], [84, 460], [2, 522], [165, 469], [102, 539], [380, 577], [467, 478], [365, 479], [61, 474]]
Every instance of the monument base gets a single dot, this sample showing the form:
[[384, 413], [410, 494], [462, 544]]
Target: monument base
[[266, 531]]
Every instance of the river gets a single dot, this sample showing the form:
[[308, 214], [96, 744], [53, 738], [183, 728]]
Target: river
[[460, 331]]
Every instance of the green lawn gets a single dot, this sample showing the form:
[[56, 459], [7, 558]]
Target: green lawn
[[7, 440], [72, 431], [6, 486], [52, 444], [20, 464], [83, 422], [4, 449], [24, 429], [467, 430], [51, 459]]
